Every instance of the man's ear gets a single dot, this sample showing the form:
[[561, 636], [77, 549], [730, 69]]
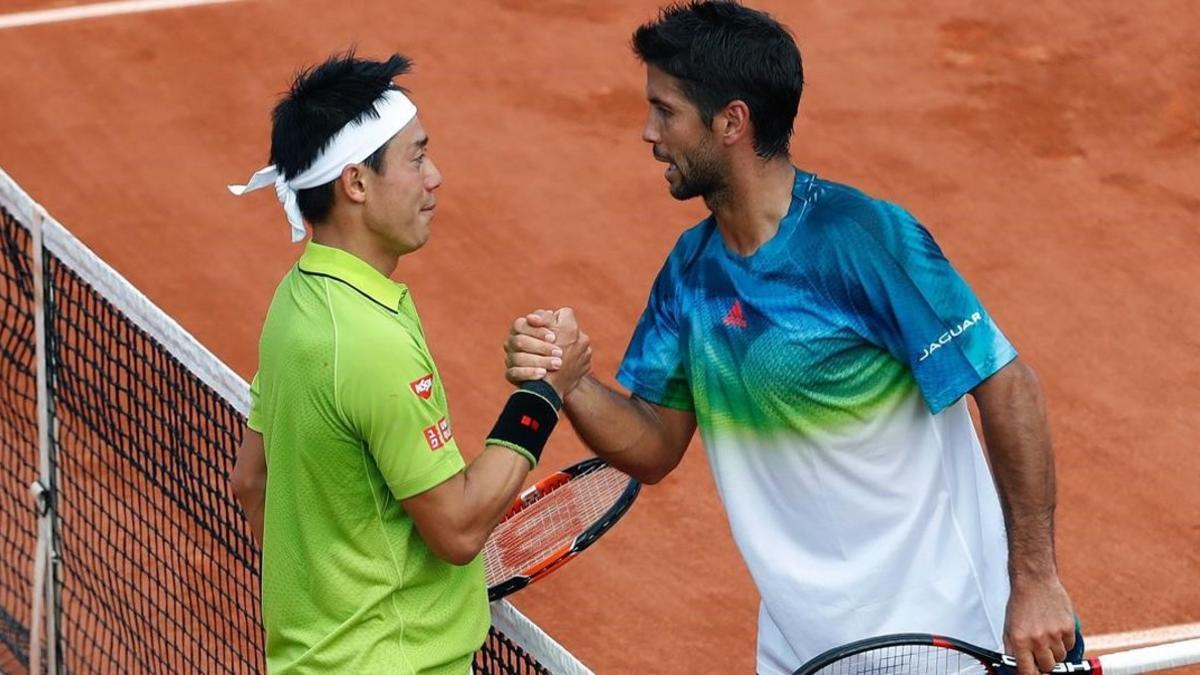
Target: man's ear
[[732, 123], [352, 183]]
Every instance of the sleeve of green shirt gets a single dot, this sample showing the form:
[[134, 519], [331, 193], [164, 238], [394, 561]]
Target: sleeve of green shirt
[[254, 418], [408, 434]]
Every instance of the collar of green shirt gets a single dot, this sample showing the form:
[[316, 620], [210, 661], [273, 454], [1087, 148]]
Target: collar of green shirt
[[349, 269]]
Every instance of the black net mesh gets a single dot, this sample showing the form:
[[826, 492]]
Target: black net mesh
[[18, 444], [158, 567], [501, 656]]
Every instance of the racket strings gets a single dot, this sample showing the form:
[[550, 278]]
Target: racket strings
[[551, 522], [907, 660]]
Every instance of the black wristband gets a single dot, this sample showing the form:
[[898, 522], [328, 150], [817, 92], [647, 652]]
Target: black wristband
[[524, 425], [545, 390]]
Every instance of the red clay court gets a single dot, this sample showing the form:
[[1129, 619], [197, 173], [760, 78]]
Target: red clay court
[[1052, 151]]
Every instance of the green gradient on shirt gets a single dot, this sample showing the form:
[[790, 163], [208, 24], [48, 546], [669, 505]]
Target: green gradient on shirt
[[769, 394]]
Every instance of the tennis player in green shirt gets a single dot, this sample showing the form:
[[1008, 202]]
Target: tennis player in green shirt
[[350, 476]]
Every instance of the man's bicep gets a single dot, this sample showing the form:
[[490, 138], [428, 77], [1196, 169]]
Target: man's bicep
[[432, 509], [406, 433], [675, 430], [917, 305], [654, 366], [253, 450], [1016, 378], [678, 426], [413, 451], [250, 467]]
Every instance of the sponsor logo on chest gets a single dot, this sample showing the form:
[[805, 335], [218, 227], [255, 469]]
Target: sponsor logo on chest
[[423, 386], [735, 317]]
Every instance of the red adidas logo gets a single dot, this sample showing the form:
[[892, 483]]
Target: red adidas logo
[[422, 386], [735, 316]]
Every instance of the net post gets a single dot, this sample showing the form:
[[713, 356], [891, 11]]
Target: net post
[[45, 595]]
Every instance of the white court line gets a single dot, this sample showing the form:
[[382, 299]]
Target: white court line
[[100, 9], [1150, 636]]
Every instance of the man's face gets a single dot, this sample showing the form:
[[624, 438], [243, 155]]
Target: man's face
[[681, 139], [400, 199]]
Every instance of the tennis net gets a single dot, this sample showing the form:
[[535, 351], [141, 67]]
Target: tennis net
[[154, 569]]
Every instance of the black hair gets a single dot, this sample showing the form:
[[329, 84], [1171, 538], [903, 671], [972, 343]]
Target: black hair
[[721, 51], [321, 101]]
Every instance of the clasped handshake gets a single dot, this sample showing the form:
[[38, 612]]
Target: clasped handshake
[[548, 345]]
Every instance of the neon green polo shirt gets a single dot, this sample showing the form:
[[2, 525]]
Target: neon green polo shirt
[[354, 418]]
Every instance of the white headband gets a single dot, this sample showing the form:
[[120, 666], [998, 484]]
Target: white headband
[[352, 144]]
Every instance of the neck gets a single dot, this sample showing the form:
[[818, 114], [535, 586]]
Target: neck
[[358, 242], [753, 201]]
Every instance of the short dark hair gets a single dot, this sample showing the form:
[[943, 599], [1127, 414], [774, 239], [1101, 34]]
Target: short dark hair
[[722, 51], [321, 101]]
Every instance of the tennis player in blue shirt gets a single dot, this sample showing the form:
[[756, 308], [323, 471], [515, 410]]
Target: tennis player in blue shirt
[[824, 347]]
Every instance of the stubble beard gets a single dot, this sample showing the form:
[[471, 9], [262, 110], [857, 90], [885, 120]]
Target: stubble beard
[[704, 177]]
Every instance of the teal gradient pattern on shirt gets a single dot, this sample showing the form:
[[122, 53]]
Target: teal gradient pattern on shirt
[[830, 323]]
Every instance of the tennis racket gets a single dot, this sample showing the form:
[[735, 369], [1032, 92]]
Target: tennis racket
[[922, 654], [552, 521]]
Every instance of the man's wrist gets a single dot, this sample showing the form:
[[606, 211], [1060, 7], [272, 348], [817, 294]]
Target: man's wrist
[[545, 390], [1025, 571], [525, 423], [579, 390]]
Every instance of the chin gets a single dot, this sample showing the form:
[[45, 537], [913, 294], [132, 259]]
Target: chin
[[408, 246], [684, 192]]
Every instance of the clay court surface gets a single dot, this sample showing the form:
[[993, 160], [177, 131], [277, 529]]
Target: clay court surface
[[1052, 150]]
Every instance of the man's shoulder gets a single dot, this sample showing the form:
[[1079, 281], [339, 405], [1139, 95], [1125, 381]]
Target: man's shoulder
[[837, 203], [349, 314], [312, 313], [291, 317], [691, 244], [374, 342], [844, 216]]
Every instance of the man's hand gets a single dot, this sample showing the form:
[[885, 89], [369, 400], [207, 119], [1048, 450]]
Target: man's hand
[[577, 352], [531, 350], [550, 345], [1039, 628]]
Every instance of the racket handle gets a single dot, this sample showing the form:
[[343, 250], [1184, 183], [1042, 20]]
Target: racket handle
[[1148, 659]]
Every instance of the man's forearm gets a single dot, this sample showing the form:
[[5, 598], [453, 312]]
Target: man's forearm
[[625, 432], [491, 483], [1039, 626], [456, 516], [1018, 441]]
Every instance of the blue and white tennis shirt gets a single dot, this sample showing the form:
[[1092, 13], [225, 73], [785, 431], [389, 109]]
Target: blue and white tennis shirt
[[827, 373]]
